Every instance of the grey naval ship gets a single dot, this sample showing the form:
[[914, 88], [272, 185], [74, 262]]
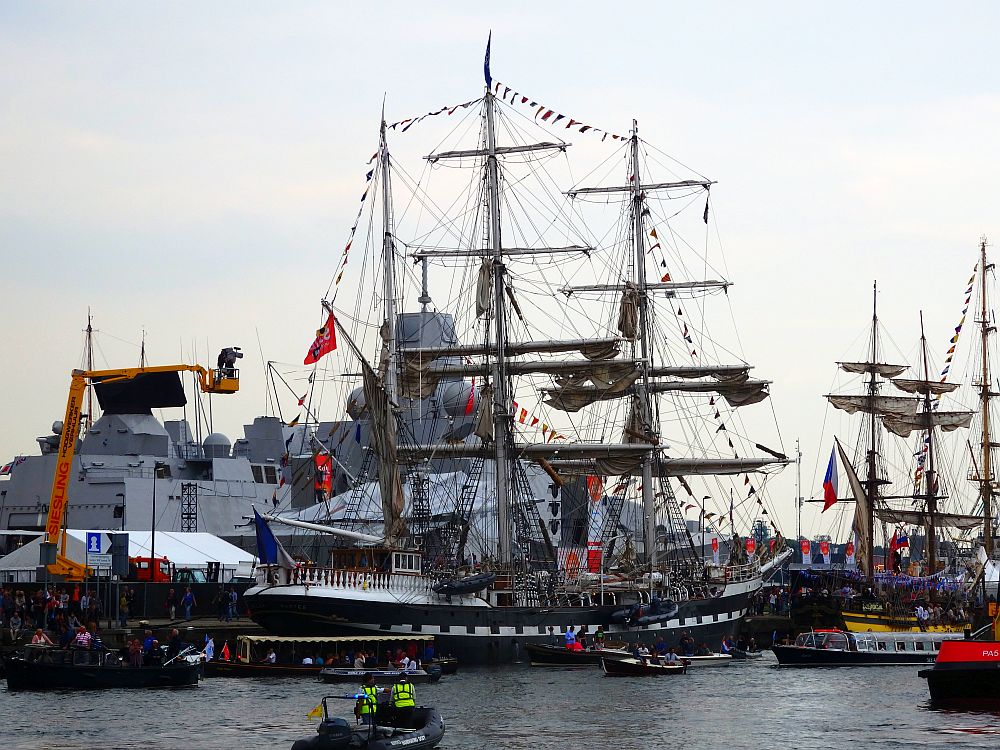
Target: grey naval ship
[[520, 458]]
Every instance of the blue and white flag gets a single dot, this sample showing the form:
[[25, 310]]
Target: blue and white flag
[[269, 549]]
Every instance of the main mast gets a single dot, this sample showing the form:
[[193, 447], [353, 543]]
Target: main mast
[[930, 474], [986, 473], [501, 400], [872, 478], [638, 239]]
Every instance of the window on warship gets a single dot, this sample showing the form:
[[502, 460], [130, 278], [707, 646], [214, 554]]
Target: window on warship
[[270, 475], [258, 473]]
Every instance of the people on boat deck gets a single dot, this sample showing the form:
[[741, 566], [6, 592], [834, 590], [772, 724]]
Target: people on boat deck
[[271, 657], [40, 638], [599, 637], [687, 644], [641, 653], [671, 656], [135, 653], [175, 645], [727, 645], [307, 661], [660, 646], [367, 705], [83, 638], [359, 660], [569, 636], [403, 700], [703, 650], [575, 646]]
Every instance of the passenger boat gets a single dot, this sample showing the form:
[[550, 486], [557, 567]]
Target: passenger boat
[[448, 664], [382, 676], [249, 657], [839, 648], [49, 668], [423, 729], [636, 668], [549, 655]]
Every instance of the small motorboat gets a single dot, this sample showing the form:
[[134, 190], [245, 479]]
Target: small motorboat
[[638, 668], [830, 647], [658, 610], [382, 676], [708, 660], [742, 654], [965, 675], [463, 586], [424, 728], [550, 655], [48, 668], [448, 664]]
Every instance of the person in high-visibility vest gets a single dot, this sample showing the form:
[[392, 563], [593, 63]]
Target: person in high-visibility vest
[[402, 700], [367, 705]]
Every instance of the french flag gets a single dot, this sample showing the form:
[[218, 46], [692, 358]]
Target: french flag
[[830, 482]]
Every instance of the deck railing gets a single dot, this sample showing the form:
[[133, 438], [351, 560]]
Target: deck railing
[[339, 578]]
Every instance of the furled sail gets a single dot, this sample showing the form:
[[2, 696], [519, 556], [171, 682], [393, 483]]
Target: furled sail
[[740, 393], [925, 387], [921, 518], [383, 429], [732, 373], [574, 393], [947, 420], [419, 379], [862, 522], [592, 348], [628, 312], [902, 406], [866, 368], [484, 417], [484, 287], [677, 467]]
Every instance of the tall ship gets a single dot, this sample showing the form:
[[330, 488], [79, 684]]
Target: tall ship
[[920, 550], [533, 441]]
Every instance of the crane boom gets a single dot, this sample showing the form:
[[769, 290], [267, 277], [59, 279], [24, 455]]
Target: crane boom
[[222, 380]]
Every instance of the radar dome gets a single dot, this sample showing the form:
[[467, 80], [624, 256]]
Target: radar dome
[[356, 403], [459, 398], [57, 427], [217, 445]]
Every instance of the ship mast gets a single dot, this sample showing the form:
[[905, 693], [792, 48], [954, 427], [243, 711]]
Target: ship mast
[[986, 474], [501, 400], [638, 200], [388, 266], [90, 366], [930, 474], [872, 478]]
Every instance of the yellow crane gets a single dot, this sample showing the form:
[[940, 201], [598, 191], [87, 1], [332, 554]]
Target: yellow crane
[[224, 379]]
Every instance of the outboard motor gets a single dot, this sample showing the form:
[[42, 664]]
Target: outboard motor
[[333, 734]]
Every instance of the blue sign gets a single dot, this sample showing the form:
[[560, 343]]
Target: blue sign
[[94, 543]]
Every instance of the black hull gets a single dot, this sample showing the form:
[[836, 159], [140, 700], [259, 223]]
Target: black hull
[[974, 686], [427, 731], [635, 668], [23, 675], [545, 655], [801, 656], [485, 635]]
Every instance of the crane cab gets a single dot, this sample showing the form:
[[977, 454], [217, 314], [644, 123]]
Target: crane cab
[[222, 380]]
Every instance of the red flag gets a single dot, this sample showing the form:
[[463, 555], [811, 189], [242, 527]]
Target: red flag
[[324, 473], [326, 342], [225, 651], [302, 400]]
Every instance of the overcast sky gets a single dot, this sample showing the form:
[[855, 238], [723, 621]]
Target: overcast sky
[[191, 169]]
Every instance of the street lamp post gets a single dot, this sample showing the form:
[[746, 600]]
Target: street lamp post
[[157, 466]]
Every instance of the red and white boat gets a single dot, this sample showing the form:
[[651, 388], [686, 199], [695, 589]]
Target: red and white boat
[[966, 674]]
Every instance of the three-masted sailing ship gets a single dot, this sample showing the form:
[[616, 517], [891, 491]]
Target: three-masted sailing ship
[[473, 518], [953, 562]]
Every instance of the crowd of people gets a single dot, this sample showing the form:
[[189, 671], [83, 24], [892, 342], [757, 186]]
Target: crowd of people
[[59, 612]]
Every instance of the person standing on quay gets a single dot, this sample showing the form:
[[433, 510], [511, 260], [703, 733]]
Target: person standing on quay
[[188, 601]]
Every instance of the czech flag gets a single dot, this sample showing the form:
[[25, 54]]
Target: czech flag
[[830, 482]]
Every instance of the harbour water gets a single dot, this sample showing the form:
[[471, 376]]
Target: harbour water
[[744, 705]]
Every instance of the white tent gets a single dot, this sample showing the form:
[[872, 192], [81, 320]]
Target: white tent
[[184, 549]]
